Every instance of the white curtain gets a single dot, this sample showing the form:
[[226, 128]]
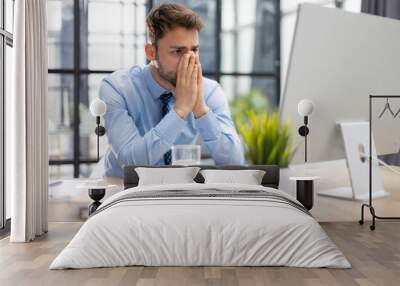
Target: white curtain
[[26, 117]]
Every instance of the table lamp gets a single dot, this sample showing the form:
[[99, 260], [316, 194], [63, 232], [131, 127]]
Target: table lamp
[[98, 108], [305, 108]]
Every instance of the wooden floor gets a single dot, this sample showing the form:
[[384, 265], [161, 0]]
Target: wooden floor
[[375, 257]]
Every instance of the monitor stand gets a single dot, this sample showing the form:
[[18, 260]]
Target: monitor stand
[[356, 142]]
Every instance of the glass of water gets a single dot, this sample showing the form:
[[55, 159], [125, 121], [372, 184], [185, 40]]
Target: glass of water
[[186, 155]]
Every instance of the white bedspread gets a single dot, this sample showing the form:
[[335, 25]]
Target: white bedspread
[[200, 231]]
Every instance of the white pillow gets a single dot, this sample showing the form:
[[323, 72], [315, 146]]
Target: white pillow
[[248, 177], [163, 176]]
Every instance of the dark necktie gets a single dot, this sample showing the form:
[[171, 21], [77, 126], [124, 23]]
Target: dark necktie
[[165, 98]]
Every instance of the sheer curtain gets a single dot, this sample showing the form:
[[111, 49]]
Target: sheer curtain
[[26, 116]]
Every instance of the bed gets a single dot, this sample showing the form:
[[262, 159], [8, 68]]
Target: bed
[[201, 224]]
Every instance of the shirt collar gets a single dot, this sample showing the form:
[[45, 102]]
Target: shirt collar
[[156, 90]]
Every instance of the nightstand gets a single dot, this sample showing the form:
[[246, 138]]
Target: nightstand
[[96, 194], [305, 190], [96, 191], [68, 201]]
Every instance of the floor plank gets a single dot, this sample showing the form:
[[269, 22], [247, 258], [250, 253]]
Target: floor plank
[[375, 257]]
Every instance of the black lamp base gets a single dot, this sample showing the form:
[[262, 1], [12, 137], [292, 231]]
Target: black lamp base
[[96, 195]]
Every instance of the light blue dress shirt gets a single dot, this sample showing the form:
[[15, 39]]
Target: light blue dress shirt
[[138, 134]]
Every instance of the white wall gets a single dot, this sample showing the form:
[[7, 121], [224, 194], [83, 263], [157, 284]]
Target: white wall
[[288, 22]]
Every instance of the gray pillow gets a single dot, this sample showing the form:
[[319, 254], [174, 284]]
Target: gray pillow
[[162, 176], [248, 177]]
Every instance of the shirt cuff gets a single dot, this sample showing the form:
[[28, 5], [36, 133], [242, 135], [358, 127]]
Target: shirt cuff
[[170, 127], [208, 126]]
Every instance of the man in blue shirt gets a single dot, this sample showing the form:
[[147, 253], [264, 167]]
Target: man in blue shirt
[[168, 101]]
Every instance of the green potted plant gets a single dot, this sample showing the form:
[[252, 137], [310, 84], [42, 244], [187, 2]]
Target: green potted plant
[[254, 101], [266, 138]]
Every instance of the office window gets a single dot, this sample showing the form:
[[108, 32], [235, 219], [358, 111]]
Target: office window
[[248, 36], [240, 44], [83, 49], [60, 116], [6, 43], [60, 25], [61, 171], [240, 85], [239, 48], [113, 44]]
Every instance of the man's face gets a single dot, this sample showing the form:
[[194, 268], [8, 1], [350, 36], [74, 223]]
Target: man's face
[[171, 48]]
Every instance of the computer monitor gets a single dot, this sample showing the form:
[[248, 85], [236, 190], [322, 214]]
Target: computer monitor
[[337, 60]]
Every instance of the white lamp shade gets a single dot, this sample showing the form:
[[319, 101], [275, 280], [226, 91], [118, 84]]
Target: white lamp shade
[[98, 107], [305, 107]]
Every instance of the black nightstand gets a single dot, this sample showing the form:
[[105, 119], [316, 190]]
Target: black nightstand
[[305, 190], [96, 195], [96, 190]]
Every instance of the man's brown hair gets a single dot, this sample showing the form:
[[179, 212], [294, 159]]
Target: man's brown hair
[[166, 17]]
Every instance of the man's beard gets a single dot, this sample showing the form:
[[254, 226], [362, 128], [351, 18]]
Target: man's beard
[[167, 76]]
